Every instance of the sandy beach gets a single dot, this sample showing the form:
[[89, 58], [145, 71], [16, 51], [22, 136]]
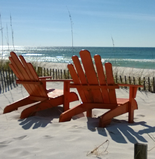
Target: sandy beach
[[43, 137]]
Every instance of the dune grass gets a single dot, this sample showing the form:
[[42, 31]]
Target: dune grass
[[4, 64]]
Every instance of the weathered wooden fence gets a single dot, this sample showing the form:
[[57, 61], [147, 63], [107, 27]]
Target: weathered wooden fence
[[147, 82], [8, 78], [54, 73]]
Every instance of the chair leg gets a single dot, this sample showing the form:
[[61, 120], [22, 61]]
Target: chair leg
[[108, 116], [72, 96], [53, 102], [30, 111], [89, 113], [105, 123], [67, 115], [16, 105], [132, 107]]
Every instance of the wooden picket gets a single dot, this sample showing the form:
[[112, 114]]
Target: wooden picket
[[8, 79]]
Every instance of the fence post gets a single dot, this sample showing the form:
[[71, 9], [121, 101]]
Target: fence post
[[47, 74], [120, 79], [53, 74], [149, 84], [7, 80], [56, 73], [140, 151], [129, 80], [10, 81], [61, 73], [153, 85], [116, 77], [4, 85], [44, 72], [144, 83], [139, 83], [50, 72], [134, 80], [125, 80]]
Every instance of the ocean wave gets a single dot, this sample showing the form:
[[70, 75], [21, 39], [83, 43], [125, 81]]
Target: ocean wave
[[128, 60], [32, 54]]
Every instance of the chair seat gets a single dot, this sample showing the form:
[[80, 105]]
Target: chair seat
[[122, 101], [53, 93]]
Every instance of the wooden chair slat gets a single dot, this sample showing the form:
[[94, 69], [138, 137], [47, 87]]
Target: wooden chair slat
[[17, 68], [91, 74], [25, 73], [76, 80], [110, 80], [82, 79], [101, 77], [40, 91]]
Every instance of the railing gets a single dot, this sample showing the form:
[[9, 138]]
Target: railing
[[8, 78]]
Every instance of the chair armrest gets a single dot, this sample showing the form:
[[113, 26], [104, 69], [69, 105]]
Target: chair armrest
[[58, 80], [130, 85], [132, 90], [66, 90], [66, 82], [94, 86], [28, 82]]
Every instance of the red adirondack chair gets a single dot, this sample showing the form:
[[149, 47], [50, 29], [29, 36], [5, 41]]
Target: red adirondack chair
[[96, 88], [36, 87]]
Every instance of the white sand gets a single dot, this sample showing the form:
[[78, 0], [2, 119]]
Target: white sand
[[43, 137]]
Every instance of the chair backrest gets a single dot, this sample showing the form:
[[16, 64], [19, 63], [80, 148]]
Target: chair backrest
[[94, 85], [25, 72]]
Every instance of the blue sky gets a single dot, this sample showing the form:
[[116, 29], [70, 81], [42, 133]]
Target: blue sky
[[130, 23]]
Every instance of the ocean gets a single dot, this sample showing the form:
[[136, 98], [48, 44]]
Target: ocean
[[135, 57]]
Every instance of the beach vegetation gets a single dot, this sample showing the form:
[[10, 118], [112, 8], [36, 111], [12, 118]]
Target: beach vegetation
[[100, 150], [71, 23], [4, 64]]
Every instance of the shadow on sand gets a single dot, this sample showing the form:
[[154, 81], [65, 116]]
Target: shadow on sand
[[121, 131], [42, 118]]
